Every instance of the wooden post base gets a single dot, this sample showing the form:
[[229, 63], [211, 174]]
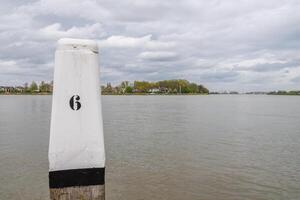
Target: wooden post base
[[92, 192]]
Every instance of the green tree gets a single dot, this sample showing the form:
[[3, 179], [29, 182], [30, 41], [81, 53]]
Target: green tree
[[26, 88], [108, 89], [142, 86], [45, 87], [128, 90], [33, 87], [203, 89], [193, 88]]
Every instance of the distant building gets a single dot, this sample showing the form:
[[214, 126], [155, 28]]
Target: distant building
[[154, 90], [19, 89], [6, 89], [163, 90]]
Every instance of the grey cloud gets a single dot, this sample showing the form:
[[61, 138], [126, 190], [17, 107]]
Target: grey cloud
[[219, 76], [296, 79], [269, 67], [207, 41]]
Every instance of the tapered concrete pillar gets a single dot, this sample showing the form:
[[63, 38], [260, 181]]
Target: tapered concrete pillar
[[76, 149]]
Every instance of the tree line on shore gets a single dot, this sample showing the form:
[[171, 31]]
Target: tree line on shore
[[176, 86], [282, 92], [32, 88]]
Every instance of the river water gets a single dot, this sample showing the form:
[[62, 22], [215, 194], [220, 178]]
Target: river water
[[167, 147]]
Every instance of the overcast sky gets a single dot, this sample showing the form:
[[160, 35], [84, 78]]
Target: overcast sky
[[223, 44]]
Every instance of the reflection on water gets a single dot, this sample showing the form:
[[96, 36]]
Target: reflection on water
[[166, 147]]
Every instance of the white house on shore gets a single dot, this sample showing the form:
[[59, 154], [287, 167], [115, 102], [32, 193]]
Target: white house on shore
[[154, 90]]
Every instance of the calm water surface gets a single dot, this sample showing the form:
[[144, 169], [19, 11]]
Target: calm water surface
[[167, 147]]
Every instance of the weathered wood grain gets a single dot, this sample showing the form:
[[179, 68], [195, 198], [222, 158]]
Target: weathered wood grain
[[93, 192]]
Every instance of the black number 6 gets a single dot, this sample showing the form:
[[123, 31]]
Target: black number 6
[[74, 102]]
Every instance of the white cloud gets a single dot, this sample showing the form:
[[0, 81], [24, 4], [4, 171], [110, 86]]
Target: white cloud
[[119, 41], [158, 56], [55, 31]]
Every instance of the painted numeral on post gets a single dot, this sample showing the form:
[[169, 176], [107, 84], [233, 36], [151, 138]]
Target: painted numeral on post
[[74, 102]]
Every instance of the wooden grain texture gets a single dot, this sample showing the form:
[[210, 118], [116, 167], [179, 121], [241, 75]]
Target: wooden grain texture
[[93, 192]]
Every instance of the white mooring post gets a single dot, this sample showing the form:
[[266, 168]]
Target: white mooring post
[[76, 149]]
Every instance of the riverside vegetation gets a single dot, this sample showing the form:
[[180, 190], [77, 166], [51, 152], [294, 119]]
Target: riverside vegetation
[[178, 86], [164, 87]]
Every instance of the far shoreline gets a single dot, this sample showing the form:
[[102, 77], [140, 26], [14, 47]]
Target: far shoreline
[[139, 94], [148, 94]]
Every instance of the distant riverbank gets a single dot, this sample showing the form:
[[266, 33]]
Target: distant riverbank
[[129, 94], [25, 94], [165, 87], [156, 94]]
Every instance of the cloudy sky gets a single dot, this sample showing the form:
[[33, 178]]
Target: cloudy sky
[[223, 44]]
